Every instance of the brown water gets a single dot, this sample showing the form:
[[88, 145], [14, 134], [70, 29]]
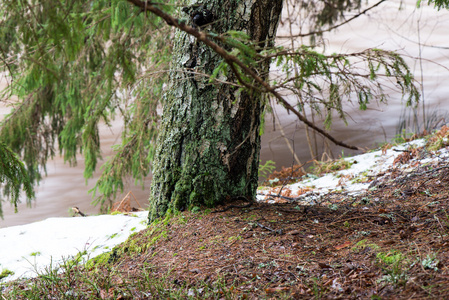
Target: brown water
[[386, 27], [389, 28]]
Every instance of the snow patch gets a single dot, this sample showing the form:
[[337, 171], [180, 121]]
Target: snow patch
[[30, 248]]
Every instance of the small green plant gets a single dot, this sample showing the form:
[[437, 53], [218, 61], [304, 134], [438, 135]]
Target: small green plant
[[321, 167], [73, 261], [98, 260], [427, 193], [195, 209], [116, 213], [68, 280], [317, 288], [112, 236], [361, 178], [268, 264], [35, 253], [363, 244], [5, 273], [394, 278], [403, 137], [394, 262], [267, 168], [392, 257], [234, 238], [430, 262], [438, 140], [333, 206]]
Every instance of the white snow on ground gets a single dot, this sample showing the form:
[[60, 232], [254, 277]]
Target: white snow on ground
[[353, 179], [26, 249], [33, 247]]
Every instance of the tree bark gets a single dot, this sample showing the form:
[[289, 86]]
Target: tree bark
[[209, 143]]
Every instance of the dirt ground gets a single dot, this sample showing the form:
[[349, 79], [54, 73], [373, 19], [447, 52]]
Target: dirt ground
[[388, 243], [391, 242]]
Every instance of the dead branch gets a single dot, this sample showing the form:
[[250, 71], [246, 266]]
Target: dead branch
[[269, 229]]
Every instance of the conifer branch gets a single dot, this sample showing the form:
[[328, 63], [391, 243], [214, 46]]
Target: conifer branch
[[231, 59], [13, 177]]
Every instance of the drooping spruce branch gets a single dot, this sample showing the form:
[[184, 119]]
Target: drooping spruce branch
[[77, 59], [439, 4], [333, 69], [324, 81], [117, 167], [13, 177], [233, 62], [75, 65]]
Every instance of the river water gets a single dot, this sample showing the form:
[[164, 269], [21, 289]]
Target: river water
[[416, 33]]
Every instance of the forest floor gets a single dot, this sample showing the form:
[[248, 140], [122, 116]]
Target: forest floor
[[390, 242]]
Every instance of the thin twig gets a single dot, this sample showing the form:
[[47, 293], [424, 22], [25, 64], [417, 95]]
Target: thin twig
[[233, 61], [269, 229], [332, 27]]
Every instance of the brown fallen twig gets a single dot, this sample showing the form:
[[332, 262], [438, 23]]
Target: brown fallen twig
[[269, 229]]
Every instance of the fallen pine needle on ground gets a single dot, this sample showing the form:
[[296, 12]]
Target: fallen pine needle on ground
[[388, 240]]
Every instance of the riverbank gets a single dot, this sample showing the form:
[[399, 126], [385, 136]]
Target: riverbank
[[387, 238]]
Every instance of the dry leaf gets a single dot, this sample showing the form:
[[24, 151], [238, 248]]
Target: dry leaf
[[324, 266], [277, 289], [344, 245]]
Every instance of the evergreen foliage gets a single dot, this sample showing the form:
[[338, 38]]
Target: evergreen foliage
[[13, 177], [76, 65], [439, 4], [326, 82]]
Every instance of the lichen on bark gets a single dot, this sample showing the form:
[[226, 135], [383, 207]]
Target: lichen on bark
[[209, 143]]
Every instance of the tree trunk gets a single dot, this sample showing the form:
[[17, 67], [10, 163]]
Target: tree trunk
[[209, 143]]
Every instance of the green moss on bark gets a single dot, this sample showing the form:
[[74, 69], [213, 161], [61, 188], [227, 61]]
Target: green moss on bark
[[208, 149]]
